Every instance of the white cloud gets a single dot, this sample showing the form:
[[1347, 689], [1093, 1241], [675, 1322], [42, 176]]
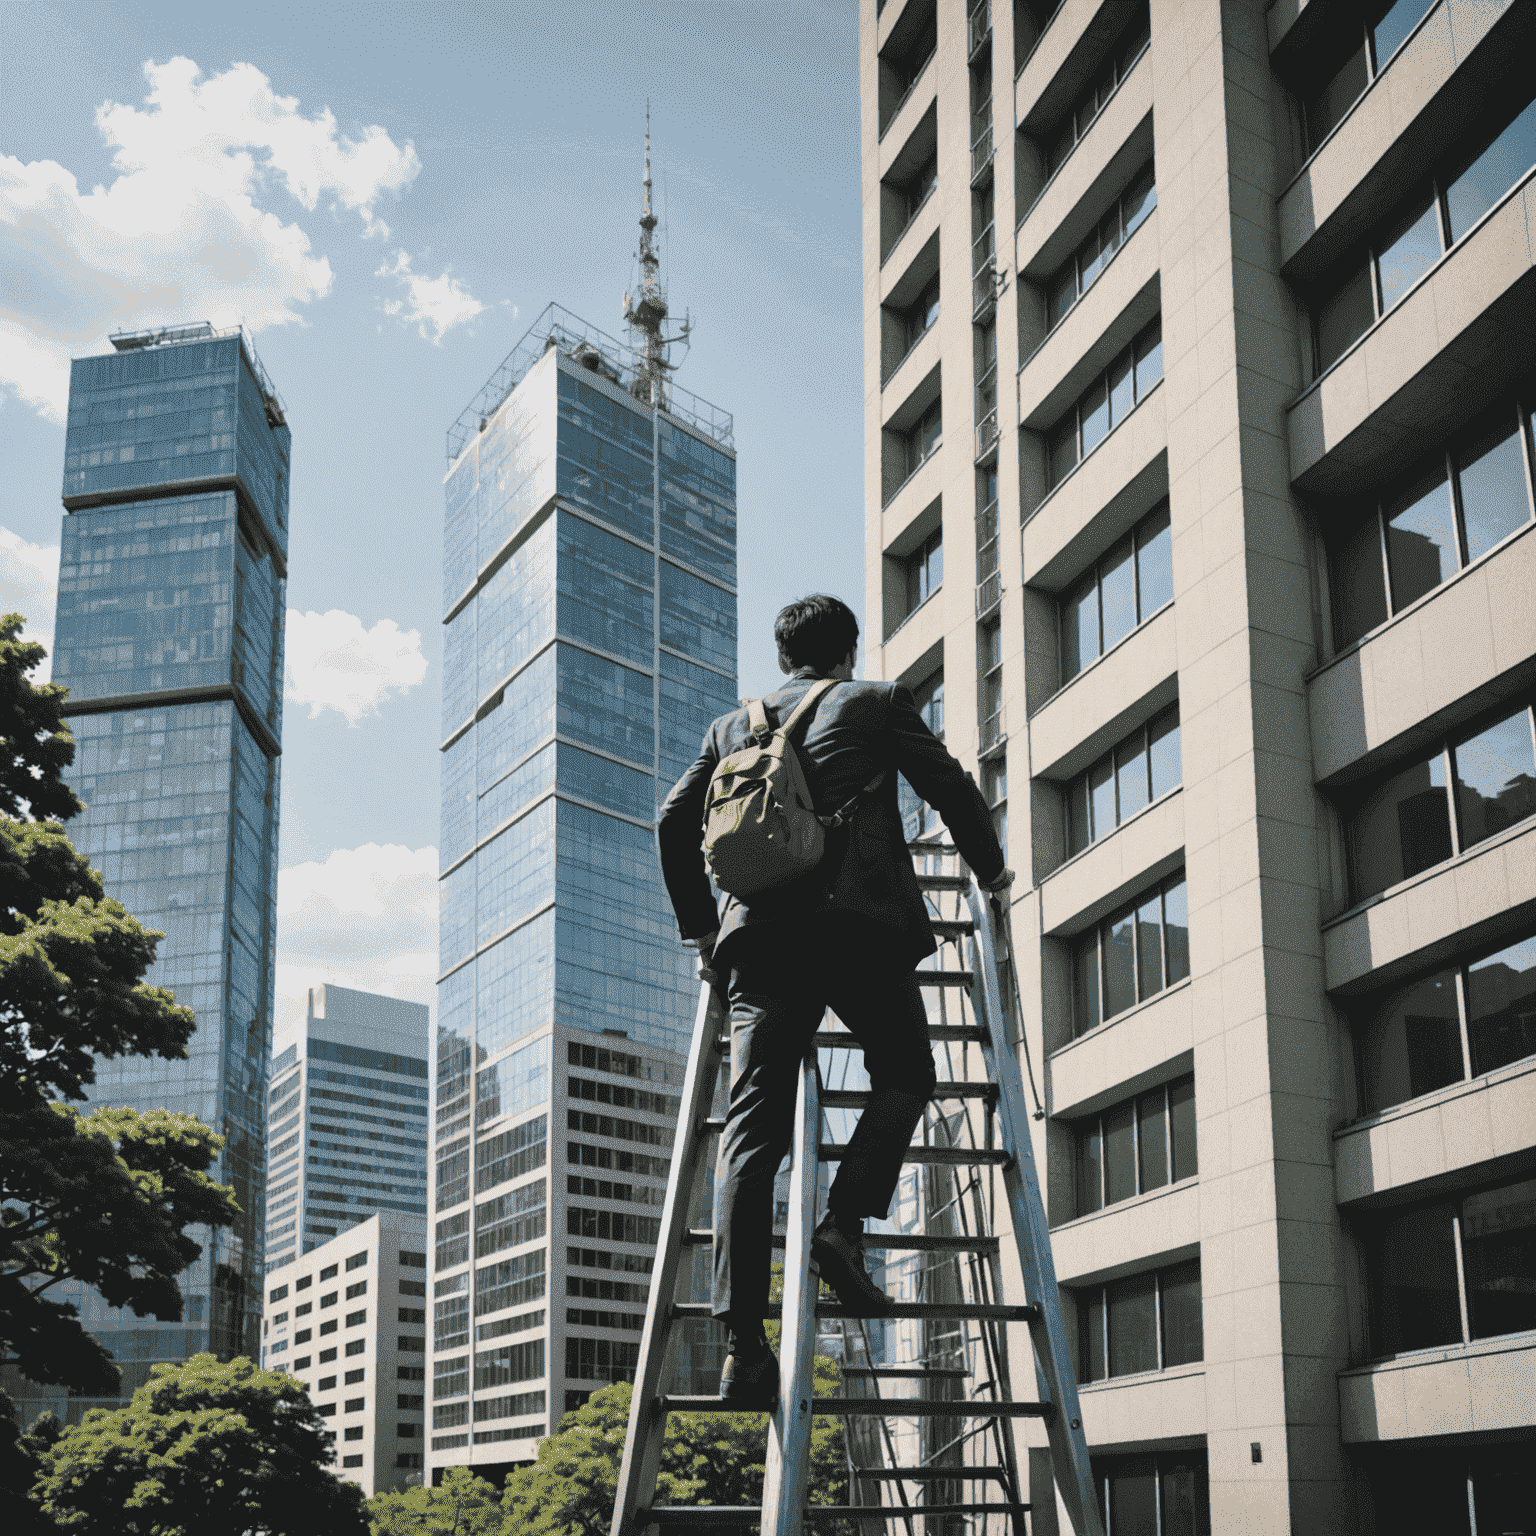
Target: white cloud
[[365, 917], [29, 585], [182, 233], [332, 662], [434, 304]]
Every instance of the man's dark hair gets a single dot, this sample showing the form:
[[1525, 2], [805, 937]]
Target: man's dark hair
[[817, 631]]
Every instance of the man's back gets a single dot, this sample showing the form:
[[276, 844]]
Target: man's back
[[858, 731]]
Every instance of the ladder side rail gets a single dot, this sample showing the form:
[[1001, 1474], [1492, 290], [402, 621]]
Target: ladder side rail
[[1021, 1182], [787, 1462], [647, 1422]]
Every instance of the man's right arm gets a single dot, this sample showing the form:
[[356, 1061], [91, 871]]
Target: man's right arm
[[680, 839], [934, 772]]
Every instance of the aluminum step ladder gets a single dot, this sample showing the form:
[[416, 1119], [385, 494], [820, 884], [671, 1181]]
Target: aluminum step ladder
[[977, 926]]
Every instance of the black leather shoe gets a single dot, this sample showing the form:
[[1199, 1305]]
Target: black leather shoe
[[751, 1380], [839, 1256]]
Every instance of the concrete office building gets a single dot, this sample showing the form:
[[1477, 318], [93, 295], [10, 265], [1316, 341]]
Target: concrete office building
[[590, 611], [1232, 587], [169, 638], [346, 1116], [348, 1320]]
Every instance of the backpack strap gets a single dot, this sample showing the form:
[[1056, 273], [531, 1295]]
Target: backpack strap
[[757, 720], [839, 816], [813, 697]]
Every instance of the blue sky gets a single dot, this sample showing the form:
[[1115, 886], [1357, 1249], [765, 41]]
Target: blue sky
[[477, 162]]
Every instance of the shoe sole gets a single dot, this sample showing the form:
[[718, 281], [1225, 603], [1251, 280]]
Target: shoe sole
[[853, 1296]]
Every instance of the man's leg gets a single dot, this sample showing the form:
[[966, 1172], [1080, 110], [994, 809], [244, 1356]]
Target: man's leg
[[771, 1029]]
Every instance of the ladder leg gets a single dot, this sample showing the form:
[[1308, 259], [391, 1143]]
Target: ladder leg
[[1021, 1183], [788, 1462], [647, 1423]]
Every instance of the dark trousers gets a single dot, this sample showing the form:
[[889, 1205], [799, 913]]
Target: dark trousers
[[778, 995]]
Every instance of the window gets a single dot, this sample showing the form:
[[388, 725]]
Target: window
[[1418, 234], [1095, 96], [410, 1373], [354, 1291], [327, 1355], [928, 695], [413, 1287], [356, 1347], [507, 1221], [994, 789], [450, 1378], [303, 1309], [412, 1315], [304, 1284], [1081, 270], [353, 1432], [279, 1319], [326, 1384], [1468, 789], [1423, 1298], [600, 1359], [1141, 769], [1146, 1322], [1470, 498], [329, 1327], [1105, 404], [1418, 1487], [1370, 46], [408, 1431], [1162, 1495], [328, 1273], [356, 1262], [407, 1460], [410, 1260], [509, 1282], [922, 440], [453, 1173], [277, 1293], [354, 1319], [1131, 583], [924, 571], [1448, 1026], [300, 1365], [509, 1363], [510, 1154], [453, 1236], [354, 1404], [1132, 955], [351, 1461], [408, 1401], [1142, 1144], [916, 321], [303, 1336]]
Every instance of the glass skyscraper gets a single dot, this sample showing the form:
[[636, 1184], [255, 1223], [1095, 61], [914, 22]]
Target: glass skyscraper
[[590, 612], [346, 1117], [170, 639]]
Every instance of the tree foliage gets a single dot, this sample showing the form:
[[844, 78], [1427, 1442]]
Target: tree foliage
[[201, 1447], [463, 1505], [103, 1198]]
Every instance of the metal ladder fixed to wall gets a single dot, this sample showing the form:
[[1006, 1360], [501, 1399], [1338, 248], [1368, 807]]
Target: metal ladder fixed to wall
[[952, 1443]]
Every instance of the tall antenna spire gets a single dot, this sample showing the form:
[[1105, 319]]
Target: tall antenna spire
[[647, 313]]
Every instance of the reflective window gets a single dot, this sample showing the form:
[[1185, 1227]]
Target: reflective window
[[1132, 955], [923, 572], [1093, 98], [1162, 1495], [1370, 44], [1146, 1322], [1141, 768], [1416, 234], [1468, 500], [1105, 404], [1083, 267], [1131, 583], [1422, 1299], [1410, 820], [1137, 1146]]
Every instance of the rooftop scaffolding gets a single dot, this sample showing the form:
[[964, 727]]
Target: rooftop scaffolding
[[203, 330]]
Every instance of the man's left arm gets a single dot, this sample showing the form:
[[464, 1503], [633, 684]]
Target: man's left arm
[[680, 839]]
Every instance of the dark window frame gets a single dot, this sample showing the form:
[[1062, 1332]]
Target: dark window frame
[[1094, 1125], [1096, 1297], [1098, 934], [1083, 782]]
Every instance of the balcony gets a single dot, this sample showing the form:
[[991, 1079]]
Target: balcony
[[989, 591], [1456, 1390], [1146, 1044], [978, 28], [981, 149], [987, 437], [983, 277], [993, 732]]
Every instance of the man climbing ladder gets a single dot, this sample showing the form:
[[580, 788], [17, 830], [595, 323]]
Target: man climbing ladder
[[793, 805], [844, 932]]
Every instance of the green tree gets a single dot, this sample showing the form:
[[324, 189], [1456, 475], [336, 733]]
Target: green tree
[[105, 1198], [463, 1505], [203, 1447]]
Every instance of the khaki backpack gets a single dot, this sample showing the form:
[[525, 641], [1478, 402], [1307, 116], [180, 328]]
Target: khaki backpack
[[761, 829]]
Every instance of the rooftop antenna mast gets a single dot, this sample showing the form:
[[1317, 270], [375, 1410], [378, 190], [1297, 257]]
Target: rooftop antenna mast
[[647, 312]]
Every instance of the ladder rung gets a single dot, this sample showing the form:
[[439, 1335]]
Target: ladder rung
[[938, 1033], [736, 1514], [848, 1098], [951, 927], [931, 1474], [910, 1242], [906, 1372], [921, 847], [945, 978], [971, 1311], [949, 1157], [943, 882]]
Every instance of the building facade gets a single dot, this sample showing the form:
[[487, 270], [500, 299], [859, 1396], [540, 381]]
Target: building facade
[[347, 1118], [590, 611], [348, 1320], [169, 637], [1240, 601]]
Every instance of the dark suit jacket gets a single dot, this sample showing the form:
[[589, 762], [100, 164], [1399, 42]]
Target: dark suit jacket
[[856, 730]]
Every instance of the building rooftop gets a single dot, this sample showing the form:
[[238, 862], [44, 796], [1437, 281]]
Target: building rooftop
[[203, 330], [593, 349]]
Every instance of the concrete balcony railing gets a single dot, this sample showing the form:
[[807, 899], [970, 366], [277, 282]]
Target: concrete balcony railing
[[1162, 1226], [1094, 882], [1076, 41], [1143, 1045], [1474, 898], [987, 437], [1449, 348], [1442, 1133], [1460, 649], [1458, 1390], [1135, 1410]]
